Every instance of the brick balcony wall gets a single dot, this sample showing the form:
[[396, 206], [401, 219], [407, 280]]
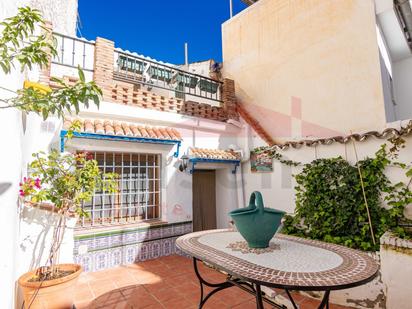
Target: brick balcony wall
[[126, 93], [229, 99], [103, 66]]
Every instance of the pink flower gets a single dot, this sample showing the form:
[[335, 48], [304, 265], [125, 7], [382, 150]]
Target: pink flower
[[21, 193], [37, 183]]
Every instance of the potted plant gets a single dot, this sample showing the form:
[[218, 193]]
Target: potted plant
[[63, 180]]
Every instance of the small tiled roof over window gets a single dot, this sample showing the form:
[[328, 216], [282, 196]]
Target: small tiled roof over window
[[216, 154], [120, 128]]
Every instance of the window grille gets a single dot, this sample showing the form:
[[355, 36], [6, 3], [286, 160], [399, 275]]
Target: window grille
[[138, 195]]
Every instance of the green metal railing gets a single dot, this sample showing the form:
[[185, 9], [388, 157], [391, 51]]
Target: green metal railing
[[138, 70]]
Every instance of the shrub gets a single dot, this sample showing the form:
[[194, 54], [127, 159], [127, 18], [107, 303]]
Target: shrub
[[330, 205]]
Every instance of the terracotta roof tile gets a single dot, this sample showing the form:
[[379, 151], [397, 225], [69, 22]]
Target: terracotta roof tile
[[212, 154], [255, 125], [120, 128]]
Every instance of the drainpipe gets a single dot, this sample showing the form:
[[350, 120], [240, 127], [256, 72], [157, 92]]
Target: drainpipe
[[240, 185]]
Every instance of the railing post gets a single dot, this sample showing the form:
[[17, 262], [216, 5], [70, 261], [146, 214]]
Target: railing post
[[44, 73], [104, 66], [229, 103]]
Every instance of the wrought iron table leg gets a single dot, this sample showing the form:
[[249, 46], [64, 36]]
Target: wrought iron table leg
[[218, 286], [259, 301], [325, 301], [254, 289], [291, 299]]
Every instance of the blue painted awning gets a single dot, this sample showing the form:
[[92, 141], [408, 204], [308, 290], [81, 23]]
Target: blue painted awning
[[122, 138], [195, 161]]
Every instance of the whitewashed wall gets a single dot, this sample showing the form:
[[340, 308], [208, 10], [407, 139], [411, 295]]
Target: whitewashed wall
[[18, 141], [396, 261], [278, 186], [278, 192], [402, 77], [176, 186]]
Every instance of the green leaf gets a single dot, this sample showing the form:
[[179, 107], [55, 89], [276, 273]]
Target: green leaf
[[81, 74]]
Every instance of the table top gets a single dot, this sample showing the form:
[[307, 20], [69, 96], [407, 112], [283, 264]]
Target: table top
[[289, 262]]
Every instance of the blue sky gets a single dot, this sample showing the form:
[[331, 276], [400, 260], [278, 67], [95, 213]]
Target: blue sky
[[159, 28]]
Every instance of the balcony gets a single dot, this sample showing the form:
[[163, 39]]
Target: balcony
[[132, 79]]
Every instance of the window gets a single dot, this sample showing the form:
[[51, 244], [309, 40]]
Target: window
[[138, 196]]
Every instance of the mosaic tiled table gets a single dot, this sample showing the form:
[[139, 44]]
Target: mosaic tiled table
[[290, 263]]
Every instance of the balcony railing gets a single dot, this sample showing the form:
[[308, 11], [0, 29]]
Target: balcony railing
[[73, 52], [138, 70]]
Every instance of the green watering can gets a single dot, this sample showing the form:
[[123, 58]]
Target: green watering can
[[256, 223]]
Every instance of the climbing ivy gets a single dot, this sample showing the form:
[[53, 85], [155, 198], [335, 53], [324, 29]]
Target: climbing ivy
[[330, 204], [275, 155]]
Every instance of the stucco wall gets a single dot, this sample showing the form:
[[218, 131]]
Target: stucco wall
[[176, 186], [62, 14], [322, 54], [19, 140], [402, 77], [278, 191], [396, 261]]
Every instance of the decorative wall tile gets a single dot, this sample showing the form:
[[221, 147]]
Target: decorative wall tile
[[127, 247], [167, 231], [101, 261], [130, 255], [116, 258], [178, 229], [142, 235], [155, 233], [166, 247], [155, 251], [130, 237], [144, 252]]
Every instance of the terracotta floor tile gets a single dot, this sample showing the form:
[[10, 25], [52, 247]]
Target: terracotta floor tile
[[297, 297], [107, 300], [122, 281], [156, 286], [165, 283], [178, 303], [83, 297], [192, 298], [165, 295], [132, 290], [146, 277], [83, 304], [245, 305], [154, 306], [141, 300], [102, 287], [214, 303], [309, 303]]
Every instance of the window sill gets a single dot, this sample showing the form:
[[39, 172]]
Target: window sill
[[92, 230]]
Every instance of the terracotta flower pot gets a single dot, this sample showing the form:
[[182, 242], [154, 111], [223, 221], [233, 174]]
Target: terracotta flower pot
[[50, 294]]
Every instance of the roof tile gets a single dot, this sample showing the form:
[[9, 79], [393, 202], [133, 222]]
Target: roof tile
[[216, 154], [119, 128]]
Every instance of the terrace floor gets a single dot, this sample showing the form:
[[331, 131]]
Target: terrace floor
[[167, 282]]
